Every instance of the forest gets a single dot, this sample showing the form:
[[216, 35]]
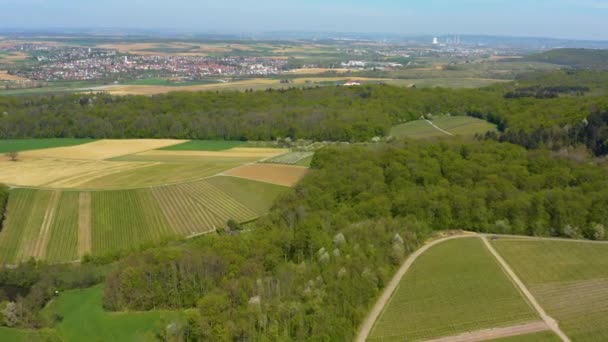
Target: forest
[[538, 109], [313, 267]]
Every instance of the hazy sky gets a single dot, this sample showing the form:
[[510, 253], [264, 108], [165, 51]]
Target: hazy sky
[[584, 19]]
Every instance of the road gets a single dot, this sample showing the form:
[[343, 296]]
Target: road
[[491, 334], [551, 323]]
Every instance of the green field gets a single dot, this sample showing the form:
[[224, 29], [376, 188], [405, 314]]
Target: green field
[[160, 174], [455, 287], [258, 196], [63, 243], [305, 162], [125, 219], [463, 126], [83, 319], [44, 224], [21, 234], [18, 335], [204, 145], [569, 279], [18, 145]]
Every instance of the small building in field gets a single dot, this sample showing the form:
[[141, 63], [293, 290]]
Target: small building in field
[[352, 83]]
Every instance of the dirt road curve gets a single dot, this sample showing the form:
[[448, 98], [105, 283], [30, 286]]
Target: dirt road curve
[[543, 315], [373, 315], [487, 334]]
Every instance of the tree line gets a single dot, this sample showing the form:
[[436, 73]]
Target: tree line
[[322, 113]]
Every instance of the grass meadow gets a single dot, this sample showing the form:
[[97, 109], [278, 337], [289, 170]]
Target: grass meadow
[[83, 319], [19, 145], [462, 126], [204, 145]]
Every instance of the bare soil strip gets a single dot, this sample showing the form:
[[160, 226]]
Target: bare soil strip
[[44, 236], [84, 224], [490, 334], [285, 175], [387, 293], [551, 323]]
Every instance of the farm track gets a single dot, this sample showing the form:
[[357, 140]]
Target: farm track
[[491, 334], [438, 128], [44, 236], [551, 323], [389, 290], [84, 224], [32, 225]]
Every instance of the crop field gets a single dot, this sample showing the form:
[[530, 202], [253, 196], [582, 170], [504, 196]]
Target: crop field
[[60, 173], [63, 243], [19, 145], [62, 226], [204, 145], [85, 320], [569, 279], [270, 173], [158, 174], [79, 207], [257, 196], [291, 158], [103, 149], [463, 126], [238, 152], [242, 85], [123, 219], [147, 168], [454, 287]]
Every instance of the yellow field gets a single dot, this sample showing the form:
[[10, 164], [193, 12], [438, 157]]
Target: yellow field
[[130, 164], [102, 149], [61, 173], [258, 153], [4, 76], [257, 83]]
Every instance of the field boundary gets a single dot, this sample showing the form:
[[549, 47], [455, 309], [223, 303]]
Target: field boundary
[[382, 301], [551, 323], [494, 333], [84, 224]]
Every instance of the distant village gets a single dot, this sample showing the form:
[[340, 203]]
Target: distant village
[[82, 64]]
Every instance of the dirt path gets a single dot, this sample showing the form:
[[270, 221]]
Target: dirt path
[[44, 236], [491, 334], [387, 293], [437, 128], [551, 323], [84, 224]]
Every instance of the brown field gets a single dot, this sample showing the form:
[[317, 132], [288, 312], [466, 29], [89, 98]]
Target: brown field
[[4, 76], [238, 152], [102, 149], [270, 173]]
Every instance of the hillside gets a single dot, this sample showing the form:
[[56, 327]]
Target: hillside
[[576, 58]]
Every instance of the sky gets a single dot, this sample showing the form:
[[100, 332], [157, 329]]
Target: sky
[[572, 19]]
